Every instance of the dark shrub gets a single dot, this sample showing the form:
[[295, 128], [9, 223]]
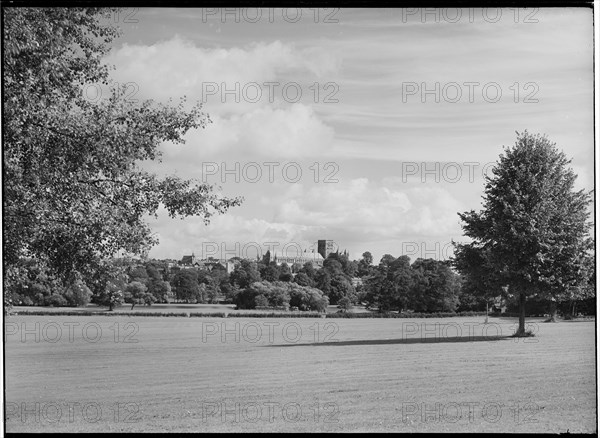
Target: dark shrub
[[261, 301], [55, 301], [78, 294]]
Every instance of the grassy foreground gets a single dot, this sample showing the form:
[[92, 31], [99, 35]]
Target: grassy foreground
[[111, 374]]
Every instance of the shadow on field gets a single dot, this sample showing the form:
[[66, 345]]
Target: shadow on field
[[436, 340]]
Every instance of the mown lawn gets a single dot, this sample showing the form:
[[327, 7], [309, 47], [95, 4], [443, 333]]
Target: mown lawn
[[161, 308], [179, 374]]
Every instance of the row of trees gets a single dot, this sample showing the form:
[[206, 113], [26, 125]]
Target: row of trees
[[39, 287], [425, 286], [334, 280], [281, 295], [129, 284], [198, 285], [395, 284]]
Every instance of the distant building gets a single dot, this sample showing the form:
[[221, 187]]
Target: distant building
[[325, 247], [231, 264], [315, 258], [189, 261]]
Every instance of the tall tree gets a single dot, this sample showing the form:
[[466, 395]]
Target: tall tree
[[185, 285], [160, 289], [137, 293], [333, 281], [285, 272], [347, 266], [303, 280], [74, 191], [480, 282], [435, 287], [309, 270], [365, 265], [266, 259], [244, 274], [390, 285], [533, 228]]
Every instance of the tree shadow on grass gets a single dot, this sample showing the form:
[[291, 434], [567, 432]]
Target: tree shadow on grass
[[430, 340], [516, 318]]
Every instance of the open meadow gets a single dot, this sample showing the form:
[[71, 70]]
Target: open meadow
[[153, 374], [174, 308]]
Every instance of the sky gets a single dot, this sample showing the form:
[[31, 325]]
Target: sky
[[372, 128]]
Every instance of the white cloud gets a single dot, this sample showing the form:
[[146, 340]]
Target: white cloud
[[231, 234], [352, 214], [370, 133], [274, 128], [365, 208], [265, 134], [178, 67]]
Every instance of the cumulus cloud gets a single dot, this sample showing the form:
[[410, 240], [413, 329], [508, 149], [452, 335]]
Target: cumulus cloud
[[359, 211], [372, 131], [265, 134], [178, 67], [230, 235], [273, 126], [373, 210]]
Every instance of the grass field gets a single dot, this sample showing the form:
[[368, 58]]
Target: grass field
[[161, 308], [111, 374]]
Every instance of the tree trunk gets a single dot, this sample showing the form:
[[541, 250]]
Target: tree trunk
[[521, 330], [132, 304], [487, 311], [110, 307], [552, 311]]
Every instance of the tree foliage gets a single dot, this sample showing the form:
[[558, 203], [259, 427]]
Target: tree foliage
[[427, 285], [137, 293], [74, 189], [436, 287], [185, 285], [532, 234], [365, 265], [108, 284], [334, 279], [78, 294], [244, 274], [389, 286], [281, 294]]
